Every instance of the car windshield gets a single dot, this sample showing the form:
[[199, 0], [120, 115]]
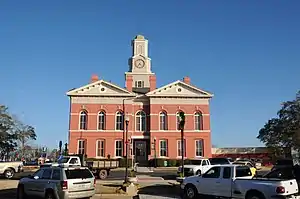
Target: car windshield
[[238, 163], [78, 173]]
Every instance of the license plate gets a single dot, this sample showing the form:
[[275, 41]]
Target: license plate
[[83, 186]]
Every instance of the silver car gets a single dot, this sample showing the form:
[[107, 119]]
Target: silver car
[[58, 183]]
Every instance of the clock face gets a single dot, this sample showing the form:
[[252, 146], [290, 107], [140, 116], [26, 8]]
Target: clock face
[[139, 63]]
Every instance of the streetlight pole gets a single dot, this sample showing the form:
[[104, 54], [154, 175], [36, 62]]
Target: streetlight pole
[[126, 152], [181, 125], [154, 142]]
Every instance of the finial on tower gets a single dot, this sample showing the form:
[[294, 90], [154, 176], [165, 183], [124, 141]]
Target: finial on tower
[[140, 37]]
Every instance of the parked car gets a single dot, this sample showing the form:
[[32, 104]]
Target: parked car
[[58, 183], [100, 168], [234, 181], [8, 169], [195, 168]]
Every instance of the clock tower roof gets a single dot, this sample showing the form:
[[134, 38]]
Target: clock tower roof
[[140, 37]]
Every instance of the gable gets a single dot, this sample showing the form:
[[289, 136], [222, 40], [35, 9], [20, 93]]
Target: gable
[[100, 88], [179, 89]]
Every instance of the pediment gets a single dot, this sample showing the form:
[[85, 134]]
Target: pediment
[[179, 89], [100, 88]]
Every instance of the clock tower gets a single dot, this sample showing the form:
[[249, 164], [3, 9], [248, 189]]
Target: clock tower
[[139, 78]]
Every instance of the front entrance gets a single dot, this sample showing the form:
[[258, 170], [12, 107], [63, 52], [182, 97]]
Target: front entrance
[[141, 156]]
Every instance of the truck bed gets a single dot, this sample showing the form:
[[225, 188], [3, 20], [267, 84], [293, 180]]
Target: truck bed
[[103, 164]]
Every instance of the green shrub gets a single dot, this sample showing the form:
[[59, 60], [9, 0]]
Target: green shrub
[[172, 163]]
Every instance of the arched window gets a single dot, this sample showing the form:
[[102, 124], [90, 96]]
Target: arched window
[[101, 120], [198, 121], [140, 121], [199, 148], [119, 121], [163, 121], [83, 119], [178, 120]]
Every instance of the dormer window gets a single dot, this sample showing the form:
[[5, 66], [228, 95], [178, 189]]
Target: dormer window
[[139, 84]]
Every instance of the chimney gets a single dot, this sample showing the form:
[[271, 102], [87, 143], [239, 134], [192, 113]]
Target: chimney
[[152, 80], [187, 80], [94, 78], [128, 82]]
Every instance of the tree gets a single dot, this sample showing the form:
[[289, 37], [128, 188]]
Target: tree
[[283, 131], [24, 133], [7, 135]]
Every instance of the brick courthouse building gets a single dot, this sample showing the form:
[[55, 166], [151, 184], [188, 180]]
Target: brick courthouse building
[[97, 126]]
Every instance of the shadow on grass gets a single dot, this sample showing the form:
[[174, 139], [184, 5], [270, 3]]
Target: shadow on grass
[[161, 190], [8, 193]]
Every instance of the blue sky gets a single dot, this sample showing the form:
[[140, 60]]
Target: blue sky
[[245, 52]]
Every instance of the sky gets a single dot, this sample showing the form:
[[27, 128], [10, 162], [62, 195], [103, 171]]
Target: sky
[[245, 52]]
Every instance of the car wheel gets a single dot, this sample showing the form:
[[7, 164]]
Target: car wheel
[[190, 192], [49, 195], [198, 172], [9, 173], [103, 174], [20, 193]]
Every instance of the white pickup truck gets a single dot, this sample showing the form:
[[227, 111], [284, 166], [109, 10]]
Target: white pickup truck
[[196, 167], [234, 181], [8, 169]]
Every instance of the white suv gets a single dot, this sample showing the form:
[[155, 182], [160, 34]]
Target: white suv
[[58, 183]]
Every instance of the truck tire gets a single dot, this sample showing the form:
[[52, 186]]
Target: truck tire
[[49, 195], [9, 173], [190, 192], [20, 193], [255, 195], [103, 174]]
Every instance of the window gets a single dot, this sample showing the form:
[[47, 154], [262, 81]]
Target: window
[[178, 120], [100, 148], [47, 174], [119, 148], [204, 163], [227, 172], [74, 161], [39, 173], [179, 148], [56, 174], [242, 171], [119, 121], [101, 121], [214, 172], [163, 121], [81, 147], [83, 120], [163, 148], [198, 121], [139, 84], [78, 173], [141, 121], [199, 148]]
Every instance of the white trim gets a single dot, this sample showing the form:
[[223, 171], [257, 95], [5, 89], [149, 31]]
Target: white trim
[[140, 137], [185, 152], [198, 139], [140, 120], [159, 148], [102, 111], [115, 149], [99, 82], [201, 121], [97, 146], [180, 82]]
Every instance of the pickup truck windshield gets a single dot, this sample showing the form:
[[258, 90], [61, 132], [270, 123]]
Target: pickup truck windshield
[[215, 161], [78, 173]]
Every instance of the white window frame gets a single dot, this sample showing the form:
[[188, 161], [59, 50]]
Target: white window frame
[[83, 125], [103, 115], [162, 123], [202, 147], [118, 156], [119, 114], [160, 148], [81, 149], [179, 146], [139, 121], [198, 121], [98, 147], [178, 120]]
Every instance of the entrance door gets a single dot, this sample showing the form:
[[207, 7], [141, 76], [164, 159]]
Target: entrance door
[[140, 153]]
